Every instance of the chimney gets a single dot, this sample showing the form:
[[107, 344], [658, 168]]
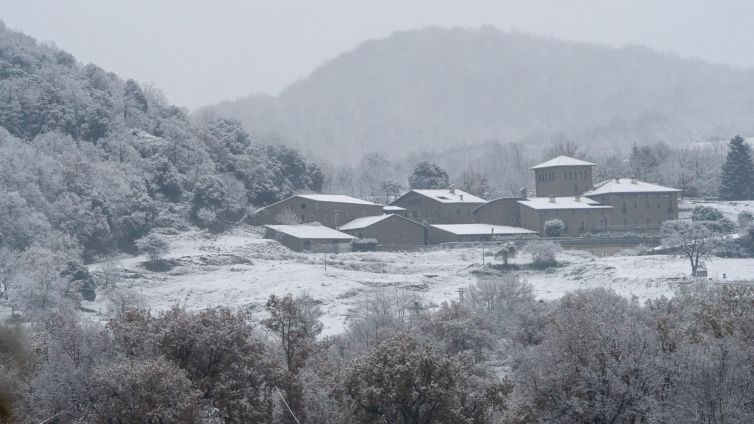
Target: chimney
[[552, 199], [617, 180], [577, 198], [462, 197], [634, 180], [452, 189], [522, 193]]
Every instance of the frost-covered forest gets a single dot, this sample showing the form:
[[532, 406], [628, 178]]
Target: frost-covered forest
[[500, 356]]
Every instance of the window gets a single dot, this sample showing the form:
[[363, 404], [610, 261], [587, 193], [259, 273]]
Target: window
[[458, 212], [468, 212], [634, 205], [624, 207], [303, 206], [303, 218], [647, 205]]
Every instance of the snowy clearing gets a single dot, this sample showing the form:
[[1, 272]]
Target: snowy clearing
[[241, 269]]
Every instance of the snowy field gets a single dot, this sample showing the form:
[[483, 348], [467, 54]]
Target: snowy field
[[730, 209], [241, 269]]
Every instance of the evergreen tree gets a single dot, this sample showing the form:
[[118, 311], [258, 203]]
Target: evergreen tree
[[737, 179], [428, 175]]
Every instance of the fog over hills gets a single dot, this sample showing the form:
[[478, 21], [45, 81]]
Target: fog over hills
[[434, 89]]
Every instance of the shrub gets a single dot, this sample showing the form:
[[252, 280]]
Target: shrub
[[364, 245], [544, 253], [706, 213], [154, 246], [554, 228]]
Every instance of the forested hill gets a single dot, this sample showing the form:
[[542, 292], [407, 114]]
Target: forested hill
[[90, 162], [439, 88]]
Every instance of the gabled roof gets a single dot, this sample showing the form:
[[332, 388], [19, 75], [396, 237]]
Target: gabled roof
[[336, 198], [310, 232], [445, 196], [562, 161], [367, 221], [562, 203], [481, 229], [627, 185]]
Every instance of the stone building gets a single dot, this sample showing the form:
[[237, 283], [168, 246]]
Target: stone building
[[636, 205], [562, 176], [387, 230], [439, 206], [331, 210], [309, 237], [579, 214]]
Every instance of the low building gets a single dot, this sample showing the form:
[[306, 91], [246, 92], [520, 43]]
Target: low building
[[579, 214], [459, 233], [309, 237], [332, 210], [637, 205], [439, 206], [387, 230], [502, 211]]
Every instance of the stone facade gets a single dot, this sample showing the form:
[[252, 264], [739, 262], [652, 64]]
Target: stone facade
[[639, 211], [392, 230], [503, 211], [332, 213], [577, 220], [458, 209], [563, 180]]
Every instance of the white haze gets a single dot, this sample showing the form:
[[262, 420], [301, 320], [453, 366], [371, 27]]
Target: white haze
[[200, 52]]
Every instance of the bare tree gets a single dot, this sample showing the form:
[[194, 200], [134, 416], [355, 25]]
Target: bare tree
[[695, 240]]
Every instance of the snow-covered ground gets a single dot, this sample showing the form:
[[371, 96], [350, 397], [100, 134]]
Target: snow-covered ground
[[241, 269], [730, 209]]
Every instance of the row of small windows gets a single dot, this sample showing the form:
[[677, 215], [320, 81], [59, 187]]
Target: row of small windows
[[568, 175], [414, 202], [573, 175], [647, 205]]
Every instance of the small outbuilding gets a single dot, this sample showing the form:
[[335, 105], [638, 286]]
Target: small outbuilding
[[455, 233], [387, 230], [309, 237]]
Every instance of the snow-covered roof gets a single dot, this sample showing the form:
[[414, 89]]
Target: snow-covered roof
[[445, 196], [482, 229], [569, 202], [363, 222], [310, 232], [393, 209], [627, 185], [562, 161], [335, 198]]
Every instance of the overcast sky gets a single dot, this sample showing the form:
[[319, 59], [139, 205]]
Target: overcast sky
[[200, 52]]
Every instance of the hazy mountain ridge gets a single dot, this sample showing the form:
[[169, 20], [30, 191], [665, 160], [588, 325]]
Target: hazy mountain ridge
[[440, 88]]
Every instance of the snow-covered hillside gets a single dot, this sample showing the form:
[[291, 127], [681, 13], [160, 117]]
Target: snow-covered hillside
[[241, 269]]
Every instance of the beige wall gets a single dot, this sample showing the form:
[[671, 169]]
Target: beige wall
[[563, 180], [504, 211], [330, 214], [424, 209], [639, 211], [394, 230]]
